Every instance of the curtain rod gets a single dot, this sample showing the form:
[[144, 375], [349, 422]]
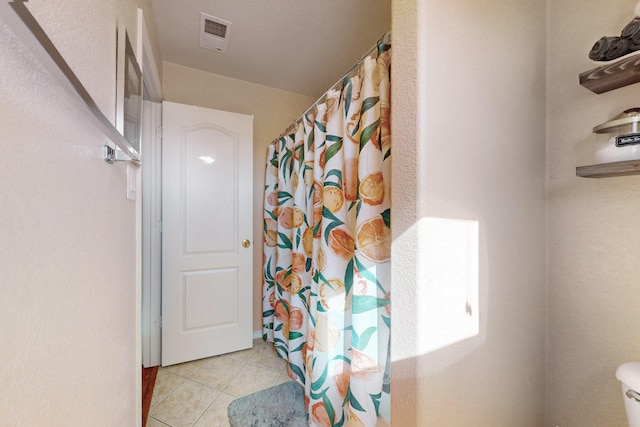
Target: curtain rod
[[385, 39]]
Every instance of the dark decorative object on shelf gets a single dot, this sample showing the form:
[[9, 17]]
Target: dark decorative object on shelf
[[599, 50], [609, 48], [615, 74]]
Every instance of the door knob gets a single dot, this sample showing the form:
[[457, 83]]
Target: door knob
[[246, 243]]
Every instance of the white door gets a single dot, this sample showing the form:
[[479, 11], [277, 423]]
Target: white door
[[207, 176]]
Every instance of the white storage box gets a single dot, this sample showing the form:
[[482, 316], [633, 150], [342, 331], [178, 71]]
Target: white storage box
[[618, 139]]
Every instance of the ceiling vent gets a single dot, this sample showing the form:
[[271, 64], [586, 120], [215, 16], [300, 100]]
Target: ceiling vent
[[214, 33]]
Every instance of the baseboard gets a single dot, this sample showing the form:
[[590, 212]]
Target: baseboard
[[257, 334]]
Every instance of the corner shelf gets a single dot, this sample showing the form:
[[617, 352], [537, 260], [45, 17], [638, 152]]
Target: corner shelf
[[612, 76], [623, 72], [607, 170]]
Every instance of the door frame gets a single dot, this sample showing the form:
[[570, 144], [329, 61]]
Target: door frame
[[149, 231], [151, 234]]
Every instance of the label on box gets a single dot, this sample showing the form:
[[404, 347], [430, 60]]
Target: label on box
[[628, 139]]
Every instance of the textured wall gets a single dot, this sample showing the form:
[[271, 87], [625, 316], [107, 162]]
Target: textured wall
[[593, 237], [273, 111], [469, 147], [96, 24], [67, 237]]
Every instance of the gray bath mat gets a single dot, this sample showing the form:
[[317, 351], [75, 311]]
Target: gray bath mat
[[278, 406]]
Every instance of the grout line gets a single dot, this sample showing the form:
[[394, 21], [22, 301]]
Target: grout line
[[246, 361], [202, 413], [163, 423], [224, 390], [207, 408], [168, 394], [278, 370], [204, 384], [202, 365], [210, 405]]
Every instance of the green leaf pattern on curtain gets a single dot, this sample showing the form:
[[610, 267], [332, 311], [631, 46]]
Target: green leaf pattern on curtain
[[327, 248]]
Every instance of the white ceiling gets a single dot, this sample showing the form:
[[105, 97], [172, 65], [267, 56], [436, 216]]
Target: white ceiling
[[301, 46]]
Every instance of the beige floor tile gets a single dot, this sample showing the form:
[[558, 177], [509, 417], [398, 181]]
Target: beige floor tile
[[152, 422], [263, 355], [166, 382], [283, 378], [188, 392], [185, 405], [233, 357], [250, 379], [187, 368], [242, 354], [216, 415], [218, 371], [257, 343]]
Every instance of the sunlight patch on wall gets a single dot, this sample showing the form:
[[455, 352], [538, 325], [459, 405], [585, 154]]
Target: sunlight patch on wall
[[448, 283]]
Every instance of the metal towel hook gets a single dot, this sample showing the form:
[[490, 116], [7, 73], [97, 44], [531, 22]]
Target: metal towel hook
[[633, 395]]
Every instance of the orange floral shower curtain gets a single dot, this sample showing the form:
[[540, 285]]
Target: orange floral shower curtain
[[327, 247]]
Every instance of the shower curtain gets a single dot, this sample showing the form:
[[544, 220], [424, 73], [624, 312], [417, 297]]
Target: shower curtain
[[327, 246]]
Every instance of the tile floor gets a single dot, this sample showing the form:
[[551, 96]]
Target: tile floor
[[197, 393]]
